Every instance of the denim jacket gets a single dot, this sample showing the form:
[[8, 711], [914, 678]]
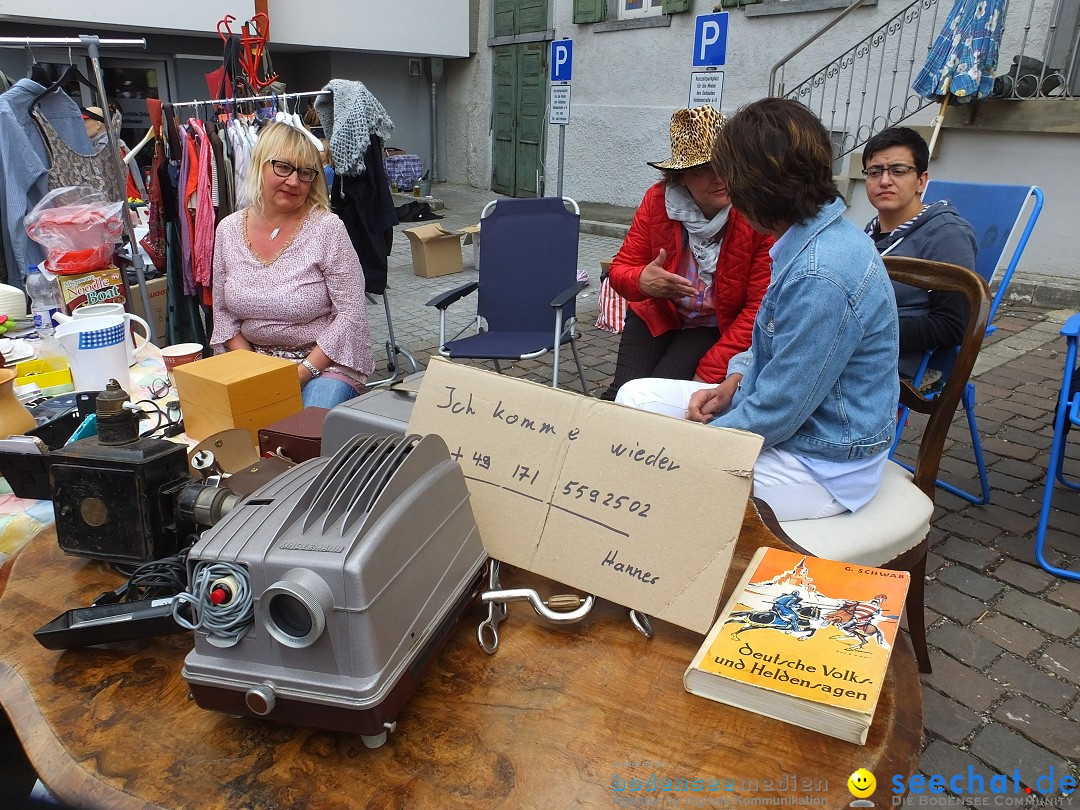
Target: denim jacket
[[820, 377]]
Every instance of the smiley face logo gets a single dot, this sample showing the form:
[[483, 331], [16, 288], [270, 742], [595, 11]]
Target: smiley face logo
[[861, 783]]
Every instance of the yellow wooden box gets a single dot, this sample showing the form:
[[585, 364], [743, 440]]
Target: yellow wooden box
[[236, 390]]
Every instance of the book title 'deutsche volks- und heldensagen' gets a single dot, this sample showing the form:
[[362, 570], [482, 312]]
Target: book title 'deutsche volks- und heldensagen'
[[804, 640]]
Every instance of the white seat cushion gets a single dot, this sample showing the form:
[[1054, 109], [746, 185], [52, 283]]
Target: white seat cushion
[[896, 519]]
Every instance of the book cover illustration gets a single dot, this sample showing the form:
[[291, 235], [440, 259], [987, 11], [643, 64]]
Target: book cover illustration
[[816, 629]]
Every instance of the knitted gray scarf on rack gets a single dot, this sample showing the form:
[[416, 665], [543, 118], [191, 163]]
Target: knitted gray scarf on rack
[[349, 120]]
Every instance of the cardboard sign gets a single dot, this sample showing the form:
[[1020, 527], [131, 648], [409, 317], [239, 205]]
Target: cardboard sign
[[636, 508]]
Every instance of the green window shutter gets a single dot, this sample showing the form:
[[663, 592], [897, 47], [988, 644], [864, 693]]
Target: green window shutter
[[590, 11], [530, 15], [675, 6], [504, 17]]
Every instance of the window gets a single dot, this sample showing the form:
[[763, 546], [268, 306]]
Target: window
[[639, 8]]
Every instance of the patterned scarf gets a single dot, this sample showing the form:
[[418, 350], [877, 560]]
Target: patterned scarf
[[705, 234], [350, 115]]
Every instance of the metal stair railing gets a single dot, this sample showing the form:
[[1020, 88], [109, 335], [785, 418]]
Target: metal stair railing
[[868, 87]]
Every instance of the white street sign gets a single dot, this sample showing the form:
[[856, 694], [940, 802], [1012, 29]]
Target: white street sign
[[559, 106], [706, 88]]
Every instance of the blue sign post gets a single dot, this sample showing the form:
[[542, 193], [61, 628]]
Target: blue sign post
[[710, 39], [562, 59], [562, 54]]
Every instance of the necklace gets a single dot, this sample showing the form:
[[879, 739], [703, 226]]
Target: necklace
[[274, 233]]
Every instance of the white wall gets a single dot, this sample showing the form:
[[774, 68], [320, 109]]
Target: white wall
[[1019, 159], [187, 16], [419, 27], [468, 112], [626, 84]]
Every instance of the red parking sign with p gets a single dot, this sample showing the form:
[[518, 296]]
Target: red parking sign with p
[[710, 39]]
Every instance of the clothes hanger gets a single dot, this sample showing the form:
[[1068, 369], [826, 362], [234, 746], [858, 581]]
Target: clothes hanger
[[36, 71], [149, 136], [69, 74], [296, 122], [295, 119]]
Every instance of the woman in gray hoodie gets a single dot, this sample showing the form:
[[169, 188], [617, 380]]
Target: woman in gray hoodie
[[895, 164]]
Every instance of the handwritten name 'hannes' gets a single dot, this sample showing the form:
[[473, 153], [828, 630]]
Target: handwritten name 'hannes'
[[499, 412]]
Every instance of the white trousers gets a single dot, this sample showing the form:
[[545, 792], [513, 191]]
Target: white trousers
[[780, 479]]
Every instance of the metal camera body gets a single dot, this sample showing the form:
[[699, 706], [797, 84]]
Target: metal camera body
[[126, 498], [359, 567]]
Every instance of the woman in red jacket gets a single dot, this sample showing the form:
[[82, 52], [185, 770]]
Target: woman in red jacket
[[692, 268]]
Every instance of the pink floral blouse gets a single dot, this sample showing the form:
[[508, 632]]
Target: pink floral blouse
[[311, 293]]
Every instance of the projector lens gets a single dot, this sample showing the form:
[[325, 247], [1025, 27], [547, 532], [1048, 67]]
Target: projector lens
[[290, 615], [294, 609]]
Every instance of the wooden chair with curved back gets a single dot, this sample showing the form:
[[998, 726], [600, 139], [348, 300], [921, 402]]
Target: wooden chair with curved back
[[891, 531]]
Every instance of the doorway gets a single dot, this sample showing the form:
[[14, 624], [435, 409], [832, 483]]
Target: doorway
[[520, 107], [519, 95], [128, 84]]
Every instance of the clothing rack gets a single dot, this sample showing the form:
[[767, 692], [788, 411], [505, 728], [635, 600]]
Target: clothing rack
[[245, 99], [93, 44], [394, 352]]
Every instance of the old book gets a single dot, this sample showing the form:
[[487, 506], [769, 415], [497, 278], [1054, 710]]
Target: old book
[[803, 640]]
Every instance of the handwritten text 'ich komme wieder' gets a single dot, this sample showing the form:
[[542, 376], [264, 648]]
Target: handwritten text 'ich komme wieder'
[[637, 454]]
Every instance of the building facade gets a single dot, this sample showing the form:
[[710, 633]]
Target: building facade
[[632, 65]]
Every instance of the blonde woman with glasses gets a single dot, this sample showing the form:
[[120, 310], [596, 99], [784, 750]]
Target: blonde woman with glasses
[[287, 281]]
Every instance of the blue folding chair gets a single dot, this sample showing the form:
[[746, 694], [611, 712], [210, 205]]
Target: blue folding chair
[[996, 212], [1068, 413], [527, 286]]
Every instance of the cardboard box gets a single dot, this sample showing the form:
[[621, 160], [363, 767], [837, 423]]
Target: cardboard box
[[103, 286], [158, 290], [472, 237], [435, 250], [236, 390], [605, 267]]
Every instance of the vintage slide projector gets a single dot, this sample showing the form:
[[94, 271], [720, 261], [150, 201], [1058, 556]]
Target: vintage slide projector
[[125, 498], [321, 598]]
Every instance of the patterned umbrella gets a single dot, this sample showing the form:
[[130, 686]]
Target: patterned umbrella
[[964, 57]]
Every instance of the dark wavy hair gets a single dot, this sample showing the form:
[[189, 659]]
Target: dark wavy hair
[[776, 158], [899, 136]]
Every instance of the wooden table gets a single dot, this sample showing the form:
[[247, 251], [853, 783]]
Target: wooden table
[[553, 719]]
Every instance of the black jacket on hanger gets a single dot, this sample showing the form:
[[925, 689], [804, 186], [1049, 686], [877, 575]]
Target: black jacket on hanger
[[365, 206]]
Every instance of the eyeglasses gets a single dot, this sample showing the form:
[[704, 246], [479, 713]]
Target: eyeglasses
[[159, 387], [284, 169], [894, 170], [703, 170]]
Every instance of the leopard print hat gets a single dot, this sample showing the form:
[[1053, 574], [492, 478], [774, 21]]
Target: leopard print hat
[[693, 134]]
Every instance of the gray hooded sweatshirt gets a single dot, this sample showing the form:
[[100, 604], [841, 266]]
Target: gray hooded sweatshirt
[[928, 319]]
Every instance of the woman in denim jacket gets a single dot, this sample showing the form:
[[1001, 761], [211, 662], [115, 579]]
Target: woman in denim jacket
[[819, 381]]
